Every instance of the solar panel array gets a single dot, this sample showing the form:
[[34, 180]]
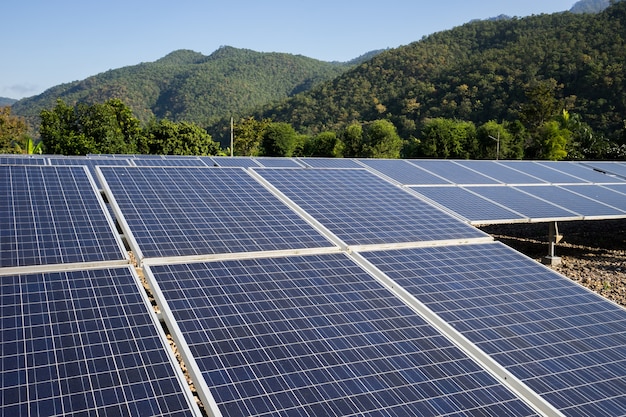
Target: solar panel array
[[311, 287]]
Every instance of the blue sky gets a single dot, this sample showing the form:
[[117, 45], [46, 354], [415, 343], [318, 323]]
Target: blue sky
[[47, 43]]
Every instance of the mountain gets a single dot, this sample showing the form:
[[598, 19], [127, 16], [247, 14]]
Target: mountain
[[590, 6], [187, 85], [5, 101], [478, 72]]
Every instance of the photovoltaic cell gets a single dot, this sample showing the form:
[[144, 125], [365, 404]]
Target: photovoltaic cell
[[403, 172], [200, 211], [21, 160], [361, 208], [91, 163], [523, 203], [548, 173], [83, 343], [52, 215], [564, 341], [278, 162], [500, 172], [581, 171], [169, 162], [230, 162], [453, 172], [317, 336], [329, 162], [570, 200], [469, 205], [610, 167], [606, 194]]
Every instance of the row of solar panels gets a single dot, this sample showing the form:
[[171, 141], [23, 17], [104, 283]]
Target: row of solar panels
[[289, 292], [406, 172]]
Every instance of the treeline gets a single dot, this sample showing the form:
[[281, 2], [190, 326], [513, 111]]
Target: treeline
[[545, 131]]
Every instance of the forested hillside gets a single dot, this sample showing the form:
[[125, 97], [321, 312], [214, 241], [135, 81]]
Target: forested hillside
[[503, 70], [186, 85]]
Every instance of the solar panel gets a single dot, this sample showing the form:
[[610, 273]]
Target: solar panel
[[22, 160], [525, 204], [361, 208], [202, 211], [316, 335], [609, 167], [569, 199], [169, 162], [606, 194], [469, 205], [83, 343], [500, 172], [581, 171], [90, 162], [278, 162], [548, 173], [564, 341], [52, 215], [403, 172], [230, 162], [329, 162], [452, 172]]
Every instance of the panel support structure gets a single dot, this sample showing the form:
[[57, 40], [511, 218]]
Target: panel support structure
[[553, 238]]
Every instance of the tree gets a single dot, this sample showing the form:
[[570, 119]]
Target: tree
[[279, 139], [447, 138], [491, 134], [183, 138], [109, 127], [381, 140], [554, 140], [325, 144], [352, 138], [248, 135], [28, 146], [13, 130]]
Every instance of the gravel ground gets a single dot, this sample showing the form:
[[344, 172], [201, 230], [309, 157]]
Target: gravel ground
[[593, 252]]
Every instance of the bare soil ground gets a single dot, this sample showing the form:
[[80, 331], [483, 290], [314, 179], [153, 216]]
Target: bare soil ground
[[593, 252]]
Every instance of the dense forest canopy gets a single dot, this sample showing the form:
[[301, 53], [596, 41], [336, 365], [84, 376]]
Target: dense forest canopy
[[481, 71]]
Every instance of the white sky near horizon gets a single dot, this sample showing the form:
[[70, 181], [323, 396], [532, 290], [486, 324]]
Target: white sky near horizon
[[54, 42]]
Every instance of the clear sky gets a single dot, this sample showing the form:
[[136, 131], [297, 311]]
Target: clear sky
[[46, 43]]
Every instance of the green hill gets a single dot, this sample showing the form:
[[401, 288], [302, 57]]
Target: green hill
[[478, 72], [186, 85]]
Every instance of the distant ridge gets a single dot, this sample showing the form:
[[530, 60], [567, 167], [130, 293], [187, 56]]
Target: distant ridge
[[5, 101]]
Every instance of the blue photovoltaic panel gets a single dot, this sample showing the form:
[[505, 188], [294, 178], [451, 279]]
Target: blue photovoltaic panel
[[362, 208], [169, 162], [609, 194], [469, 205], [84, 343], [317, 336], [610, 167], [523, 203], [91, 163], [500, 172], [200, 211], [453, 172], [21, 160], [278, 162], [403, 172], [229, 162], [570, 200], [329, 162], [564, 341], [548, 173], [52, 215], [581, 171]]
